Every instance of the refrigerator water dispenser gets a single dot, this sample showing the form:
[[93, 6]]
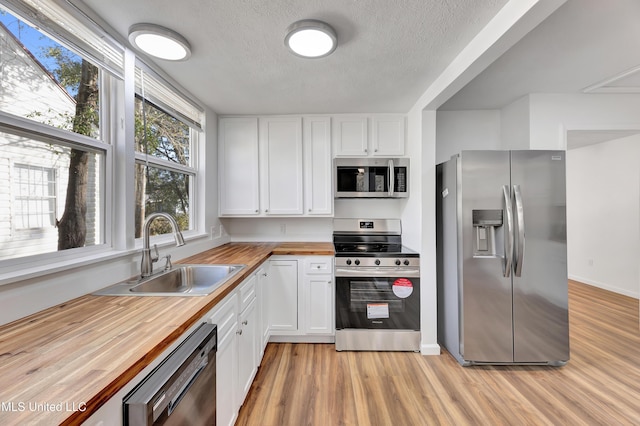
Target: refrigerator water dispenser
[[485, 223]]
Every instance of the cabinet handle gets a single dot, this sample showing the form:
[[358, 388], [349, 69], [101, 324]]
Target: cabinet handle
[[329, 282], [366, 150], [264, 275], [245, 322], [375, 150], [257, 210], [266, 210], [239, 332]]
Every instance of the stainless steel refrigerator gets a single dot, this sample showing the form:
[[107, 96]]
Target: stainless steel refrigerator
[[502, 257]]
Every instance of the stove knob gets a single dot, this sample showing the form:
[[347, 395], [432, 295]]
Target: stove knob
[[406, 262], [348, 261], [398, 262], [357, 262], [377, 262]]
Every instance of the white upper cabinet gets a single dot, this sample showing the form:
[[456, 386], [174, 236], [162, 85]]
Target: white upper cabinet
[[238, 166], [351, 135], [281, 151], [275, 166], [317, 166], [387, 136]]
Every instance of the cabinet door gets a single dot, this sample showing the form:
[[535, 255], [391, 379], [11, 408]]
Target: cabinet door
[[318, 168], [238, 166], [247, 350], [227, 402], [283, 295], [281, 151], [388, 135], [319, 304], [263, 310], [350, 136]]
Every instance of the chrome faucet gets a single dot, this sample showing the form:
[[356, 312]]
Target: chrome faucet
[[146, 267]]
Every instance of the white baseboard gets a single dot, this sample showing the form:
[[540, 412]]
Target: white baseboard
[[302, 339], [430, 349], [605, 286]]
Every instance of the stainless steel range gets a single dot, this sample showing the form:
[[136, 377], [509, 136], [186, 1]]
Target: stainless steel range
[[377, 287]]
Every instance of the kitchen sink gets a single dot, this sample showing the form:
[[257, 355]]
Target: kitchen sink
[[182, 280]]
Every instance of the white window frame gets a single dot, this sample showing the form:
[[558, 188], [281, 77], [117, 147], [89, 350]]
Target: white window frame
[[116, 145], [168, 99]]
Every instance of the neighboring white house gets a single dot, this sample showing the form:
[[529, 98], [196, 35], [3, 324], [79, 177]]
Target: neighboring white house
[[33, 173]]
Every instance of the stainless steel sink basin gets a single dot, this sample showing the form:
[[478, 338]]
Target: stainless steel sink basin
[[182, 280]]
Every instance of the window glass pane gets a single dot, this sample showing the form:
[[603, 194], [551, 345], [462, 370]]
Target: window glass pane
[[43, 81], [37, 181], [161, 190], [166, 137]]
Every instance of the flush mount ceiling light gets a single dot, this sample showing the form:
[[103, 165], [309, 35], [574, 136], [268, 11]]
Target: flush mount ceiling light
[[160, 42], [310, 38]]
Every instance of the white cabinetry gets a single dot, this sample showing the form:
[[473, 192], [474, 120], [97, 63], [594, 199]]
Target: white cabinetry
[[318, 295], [317, 166], [265, 170], [225, 316], [351, 135], [247, 349], [301, 299], [237, 356], [281, 153], [283, 295], [263, 308], [238, 166], [388, 136]]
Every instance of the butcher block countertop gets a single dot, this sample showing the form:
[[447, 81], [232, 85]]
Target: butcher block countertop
[[60, 365]]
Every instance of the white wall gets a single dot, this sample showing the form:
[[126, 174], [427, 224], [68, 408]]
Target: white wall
[[466, 130], [515, 124], [603, 215], [278, 229], [552, 115]]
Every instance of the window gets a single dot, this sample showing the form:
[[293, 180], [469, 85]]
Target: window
[[167, 130], [52, 128], [35, 197]]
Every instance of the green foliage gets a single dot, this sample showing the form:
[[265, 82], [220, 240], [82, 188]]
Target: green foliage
[[69, 68]]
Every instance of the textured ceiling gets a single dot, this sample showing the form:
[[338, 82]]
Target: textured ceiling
[[388, 52]]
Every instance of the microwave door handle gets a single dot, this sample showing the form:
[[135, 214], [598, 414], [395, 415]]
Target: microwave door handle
[[392, 178]]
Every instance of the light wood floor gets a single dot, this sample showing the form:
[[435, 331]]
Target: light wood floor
[[312, 384]]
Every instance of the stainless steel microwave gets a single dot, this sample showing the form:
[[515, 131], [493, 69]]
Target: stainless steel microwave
[[371, 177]]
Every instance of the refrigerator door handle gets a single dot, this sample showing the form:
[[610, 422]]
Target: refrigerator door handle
[[508, 234], [392, 178], [517, 195]]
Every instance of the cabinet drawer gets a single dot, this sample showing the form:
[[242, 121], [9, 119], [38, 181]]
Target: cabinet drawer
[[225, 316], [247, 292], [318, 265]]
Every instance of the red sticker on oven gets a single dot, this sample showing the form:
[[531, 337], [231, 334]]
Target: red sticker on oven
[[402, 288]]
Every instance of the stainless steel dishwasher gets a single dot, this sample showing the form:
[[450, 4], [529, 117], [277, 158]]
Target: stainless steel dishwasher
[[182, 389]]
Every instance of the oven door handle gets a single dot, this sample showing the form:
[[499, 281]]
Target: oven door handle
[[375, 272]]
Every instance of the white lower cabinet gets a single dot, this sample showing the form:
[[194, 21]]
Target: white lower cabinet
[[301, 288], [262, 308], [283, 295], [225, 316], [248, 342], [237, 356]]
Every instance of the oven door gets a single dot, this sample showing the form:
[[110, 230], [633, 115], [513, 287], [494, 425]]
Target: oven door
[[377, 298]]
